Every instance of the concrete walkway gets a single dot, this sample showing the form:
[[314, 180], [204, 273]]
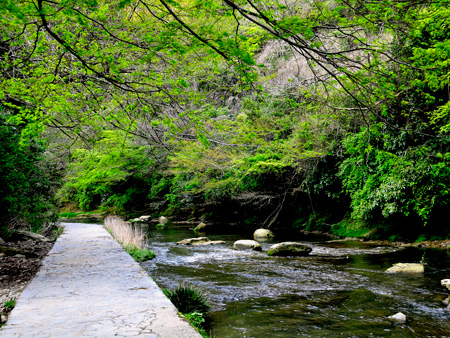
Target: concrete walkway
[[88, 286]]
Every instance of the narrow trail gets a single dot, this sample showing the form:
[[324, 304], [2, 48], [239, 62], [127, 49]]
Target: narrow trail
[[88, 286]]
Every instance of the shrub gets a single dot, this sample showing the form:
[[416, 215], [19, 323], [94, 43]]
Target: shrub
[[187, 299], [140, 255]]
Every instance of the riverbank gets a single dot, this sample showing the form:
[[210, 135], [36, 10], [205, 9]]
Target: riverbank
[[236, 227]]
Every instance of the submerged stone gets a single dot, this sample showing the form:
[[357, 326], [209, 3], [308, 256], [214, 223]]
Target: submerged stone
[[406, 268], [247, 244], [289, 249], [398, 317], [263, 233]]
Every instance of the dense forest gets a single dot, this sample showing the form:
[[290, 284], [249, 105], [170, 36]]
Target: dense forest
[[309, 114]]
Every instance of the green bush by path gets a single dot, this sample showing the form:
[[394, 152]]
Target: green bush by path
[[192, 303], [187, 299], [140, 255]]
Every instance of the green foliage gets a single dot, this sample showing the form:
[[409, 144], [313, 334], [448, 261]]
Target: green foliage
[[140, 255], [429, 50], [71, 214], [246, 152], [99, 176], [196, 320], [421, 238], [27, 180], [395, 238], [9, 305], [188, 299], [384, 178], [179, 103], [350, 228]]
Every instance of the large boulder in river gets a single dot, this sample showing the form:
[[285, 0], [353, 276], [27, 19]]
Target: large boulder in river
[[247, 244], [289, 249], [446, 283], [406, 268], [263, 233], [199, 241]]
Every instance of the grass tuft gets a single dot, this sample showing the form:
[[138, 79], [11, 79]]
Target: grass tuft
[[9, 305]]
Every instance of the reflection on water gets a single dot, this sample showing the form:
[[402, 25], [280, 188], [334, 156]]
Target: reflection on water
[[339, 290]]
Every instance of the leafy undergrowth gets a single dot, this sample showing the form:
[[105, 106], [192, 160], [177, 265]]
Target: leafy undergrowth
[[140, 255]]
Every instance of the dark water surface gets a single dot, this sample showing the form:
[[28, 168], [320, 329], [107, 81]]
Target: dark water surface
[[340, 290]]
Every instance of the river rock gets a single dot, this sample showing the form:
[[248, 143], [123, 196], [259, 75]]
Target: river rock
[[247, 244], [263, 233], [289, 249], [144, 219], [406, 268], [200, 227], [199, 241], [163, 220], [32, 235], [2, 241], [398, 317], [446, 283]]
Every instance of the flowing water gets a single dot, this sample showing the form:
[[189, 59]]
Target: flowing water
[[340, 290]]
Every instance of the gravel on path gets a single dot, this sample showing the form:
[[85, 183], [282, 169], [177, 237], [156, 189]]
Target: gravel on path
[[88, 286]]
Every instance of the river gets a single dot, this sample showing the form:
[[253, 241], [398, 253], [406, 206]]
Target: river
[[340, 290]]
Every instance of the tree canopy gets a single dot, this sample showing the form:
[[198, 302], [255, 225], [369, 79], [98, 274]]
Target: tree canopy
[[294, 107]]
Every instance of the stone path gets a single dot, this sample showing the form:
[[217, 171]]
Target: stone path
[[88, 286]]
